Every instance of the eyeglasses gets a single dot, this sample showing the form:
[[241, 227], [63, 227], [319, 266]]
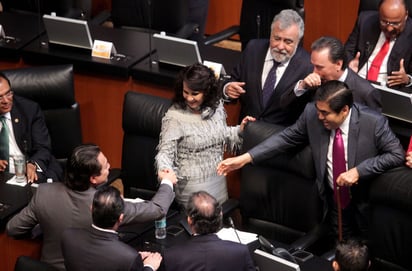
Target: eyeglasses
[[387, 23], [6, 95]]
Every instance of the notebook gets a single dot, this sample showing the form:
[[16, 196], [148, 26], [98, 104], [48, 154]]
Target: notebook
[[68, 32], [176, 51], [395, 104], [268, 262]]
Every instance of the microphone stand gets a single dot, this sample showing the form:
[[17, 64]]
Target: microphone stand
[[233, 226]]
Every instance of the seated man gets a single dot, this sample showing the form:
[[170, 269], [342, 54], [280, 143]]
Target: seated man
[[99, 247], [23, 131], [58, 206], [205, 251], [378, 47], [351, 255]]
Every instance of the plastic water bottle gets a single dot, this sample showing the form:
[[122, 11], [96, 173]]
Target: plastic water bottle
[[160, 228]]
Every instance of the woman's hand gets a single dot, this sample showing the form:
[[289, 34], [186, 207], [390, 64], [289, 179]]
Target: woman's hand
[[245, 121]]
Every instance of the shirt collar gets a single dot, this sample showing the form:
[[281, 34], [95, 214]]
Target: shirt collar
[[344, 127], [105, 230]]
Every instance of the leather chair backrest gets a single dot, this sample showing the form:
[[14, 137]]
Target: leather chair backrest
[[142, 120], [64, 8], [25, 263], [252, 28], [279, 198], [52, 87], [168, 16]]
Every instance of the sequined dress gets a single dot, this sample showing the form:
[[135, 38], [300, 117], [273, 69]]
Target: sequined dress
[[193, 146]]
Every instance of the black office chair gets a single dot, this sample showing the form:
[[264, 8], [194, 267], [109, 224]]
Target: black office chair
[[168, 16], [255, 20], [52, 87], [25, 263], [64, 8]]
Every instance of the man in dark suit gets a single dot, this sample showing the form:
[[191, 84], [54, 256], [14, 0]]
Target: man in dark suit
[[99, 247], [249, 76], [58, 206], [329, 61], [370, 32], [205, 251], [27, 135], [370, 148]]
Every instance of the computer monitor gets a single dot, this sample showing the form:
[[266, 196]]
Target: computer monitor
[[395, 104], [67, 31], [176, 51], [268, 262]]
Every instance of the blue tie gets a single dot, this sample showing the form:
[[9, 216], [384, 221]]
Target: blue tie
[[269, 84], [4, 140]]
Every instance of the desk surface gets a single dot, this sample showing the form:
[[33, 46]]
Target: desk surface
[[20, 30], [145, 240], [133, 45], [149, 69]]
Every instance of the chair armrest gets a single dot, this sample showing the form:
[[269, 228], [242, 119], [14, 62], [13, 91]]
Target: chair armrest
[[222, 35], [309, 238], [187, 30], [100, 18]]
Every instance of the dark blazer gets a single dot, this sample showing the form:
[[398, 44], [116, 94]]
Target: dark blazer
[[249, 70], [365, 34], [56, 207], [208, 253], [372, 146], [363, 91], [32, 137], [93, 249]]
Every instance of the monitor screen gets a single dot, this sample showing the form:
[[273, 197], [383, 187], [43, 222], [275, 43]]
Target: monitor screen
[[395, 104], [67, 31], [176, 51], [268, 262]]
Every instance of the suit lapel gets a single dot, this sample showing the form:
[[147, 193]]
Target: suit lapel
[[353, 136], [19, 123]]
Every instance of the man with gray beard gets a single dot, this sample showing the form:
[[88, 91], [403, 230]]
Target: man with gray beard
[[289, 61]]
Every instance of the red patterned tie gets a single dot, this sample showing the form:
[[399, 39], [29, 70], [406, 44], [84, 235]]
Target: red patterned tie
[[377, 61], [339, 166]]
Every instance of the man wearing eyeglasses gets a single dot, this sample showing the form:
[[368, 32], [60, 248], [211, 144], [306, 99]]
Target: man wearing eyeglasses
[[23, 131], [379, 47]]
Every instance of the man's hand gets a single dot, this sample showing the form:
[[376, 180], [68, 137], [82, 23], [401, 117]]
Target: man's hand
[[313, 80], [354, 63], [3, 165], [31, 173], [233, 163], [167, 174], [235, 89], [245, 121], [348, 178], [408, 159], [398, 77], [151, 258]]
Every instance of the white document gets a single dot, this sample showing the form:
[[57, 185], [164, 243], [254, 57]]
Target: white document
[[230, 235]]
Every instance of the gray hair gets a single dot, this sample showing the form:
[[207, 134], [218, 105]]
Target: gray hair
[[287, 18]]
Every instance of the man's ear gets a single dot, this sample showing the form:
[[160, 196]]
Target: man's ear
[[335, 266], [189, 220], [121, 218]]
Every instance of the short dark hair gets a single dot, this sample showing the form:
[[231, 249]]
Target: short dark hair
[[336, 49], [352, 255], [107, 207], [82, 165], [205, 213], [200, 78], [336, 94]]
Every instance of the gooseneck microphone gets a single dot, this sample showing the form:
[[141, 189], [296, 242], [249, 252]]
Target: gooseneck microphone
[[368, 51], [234, 228]]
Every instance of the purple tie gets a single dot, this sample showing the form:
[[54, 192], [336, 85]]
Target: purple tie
[[269, 84], [339, 166]]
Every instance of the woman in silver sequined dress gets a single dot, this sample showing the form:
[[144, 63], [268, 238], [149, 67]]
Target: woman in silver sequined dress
[[195, 135]]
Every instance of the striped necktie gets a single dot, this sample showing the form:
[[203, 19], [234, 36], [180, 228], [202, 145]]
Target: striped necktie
[[4, 140]]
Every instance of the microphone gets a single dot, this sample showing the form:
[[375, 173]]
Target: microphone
[[280, 252], [149, 4], [258, 26], [234, 228], [266, 245], [367, 49]]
